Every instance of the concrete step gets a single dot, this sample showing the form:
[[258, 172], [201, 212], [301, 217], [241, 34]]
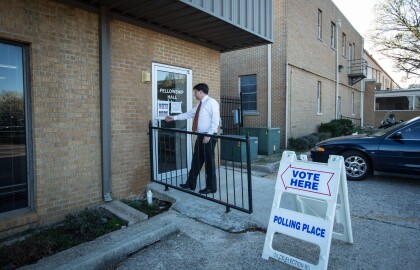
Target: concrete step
[[124, 212]]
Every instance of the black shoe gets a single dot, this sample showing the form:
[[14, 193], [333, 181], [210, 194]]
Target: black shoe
[[186, 186], [207, 191]]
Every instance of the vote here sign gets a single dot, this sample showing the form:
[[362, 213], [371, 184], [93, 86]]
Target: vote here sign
[[307, 180]]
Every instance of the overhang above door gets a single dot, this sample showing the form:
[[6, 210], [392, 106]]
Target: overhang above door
[[224, 25]]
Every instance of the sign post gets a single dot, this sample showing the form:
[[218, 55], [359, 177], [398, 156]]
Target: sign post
[[316, 187]]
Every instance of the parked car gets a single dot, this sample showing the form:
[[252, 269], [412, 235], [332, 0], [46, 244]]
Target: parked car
[[395, 150]]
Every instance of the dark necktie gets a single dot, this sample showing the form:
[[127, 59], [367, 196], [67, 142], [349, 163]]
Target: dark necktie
[[195, 122]]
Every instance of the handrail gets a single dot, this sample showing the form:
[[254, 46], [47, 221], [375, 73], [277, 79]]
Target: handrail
[[169, 166]]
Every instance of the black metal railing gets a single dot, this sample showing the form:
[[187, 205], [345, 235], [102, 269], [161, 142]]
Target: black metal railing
[[231, 114], [170, 165], [357, 70]]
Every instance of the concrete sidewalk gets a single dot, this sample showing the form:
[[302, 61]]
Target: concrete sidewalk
[[111, 248]]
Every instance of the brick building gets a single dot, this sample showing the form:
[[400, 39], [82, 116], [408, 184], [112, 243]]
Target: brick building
[[377, 79], [79, 85], [383, 81], [309, 75]]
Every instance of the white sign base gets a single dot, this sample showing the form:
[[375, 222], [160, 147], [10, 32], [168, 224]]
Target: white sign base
[[316, 187]]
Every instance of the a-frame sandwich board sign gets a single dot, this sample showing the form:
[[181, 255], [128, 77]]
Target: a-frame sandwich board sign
[[316, 187]]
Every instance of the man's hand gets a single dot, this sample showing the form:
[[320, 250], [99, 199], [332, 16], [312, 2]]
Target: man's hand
[[206, 140], [169, 118]]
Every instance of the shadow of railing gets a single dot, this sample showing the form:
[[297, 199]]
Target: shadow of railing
[[170, 165]]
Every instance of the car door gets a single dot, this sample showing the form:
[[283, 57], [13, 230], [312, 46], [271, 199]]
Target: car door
[[399, 152]]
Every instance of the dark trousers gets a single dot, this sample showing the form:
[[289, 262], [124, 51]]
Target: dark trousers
[[203, 153]]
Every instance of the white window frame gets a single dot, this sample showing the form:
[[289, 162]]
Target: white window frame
[[354, 51], [413, 99], [319, 34], [343, 45], [333, 37], [350, 52]]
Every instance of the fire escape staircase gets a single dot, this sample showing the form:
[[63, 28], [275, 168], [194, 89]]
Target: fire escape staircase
[[357, 70]]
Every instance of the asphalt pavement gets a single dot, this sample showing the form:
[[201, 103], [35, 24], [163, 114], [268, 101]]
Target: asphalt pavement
[[197, 233]]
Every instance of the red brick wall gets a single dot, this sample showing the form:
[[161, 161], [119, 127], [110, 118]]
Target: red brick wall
[[65, 106], [133, 51], [65, 78], [297, 51], [247, 62]]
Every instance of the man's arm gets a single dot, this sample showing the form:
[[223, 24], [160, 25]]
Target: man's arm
[[215, 120], [169, 118], [182, 116]]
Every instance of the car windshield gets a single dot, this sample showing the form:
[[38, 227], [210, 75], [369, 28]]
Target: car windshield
[[382, 132]]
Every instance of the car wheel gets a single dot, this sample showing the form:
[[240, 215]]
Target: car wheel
[[358, 166]]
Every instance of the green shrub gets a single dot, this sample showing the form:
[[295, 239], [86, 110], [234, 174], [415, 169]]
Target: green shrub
[[298, 144], [90, 223], [312, 139], [150, 210], [78, 228], [324, 136], [337, 127]]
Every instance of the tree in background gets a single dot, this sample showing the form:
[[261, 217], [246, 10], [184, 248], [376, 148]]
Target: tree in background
[[396, 34]]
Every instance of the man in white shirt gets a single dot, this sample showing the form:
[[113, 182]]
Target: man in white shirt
[[206, 121]]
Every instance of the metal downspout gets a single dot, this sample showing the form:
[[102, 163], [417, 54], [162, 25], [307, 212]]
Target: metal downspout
[[269, 85], [337, 72], [362, 89], [105, 66], [286, 134]]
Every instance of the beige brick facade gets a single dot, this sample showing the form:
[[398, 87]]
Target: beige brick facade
[[378, 74], [299, 60], [65, 79]]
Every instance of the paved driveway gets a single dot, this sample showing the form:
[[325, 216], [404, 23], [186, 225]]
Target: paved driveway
[[385, 221]]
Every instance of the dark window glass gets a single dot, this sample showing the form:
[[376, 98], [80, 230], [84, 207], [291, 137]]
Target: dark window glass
[[248, 86], [13, 160], [394, 103], [411, 132]]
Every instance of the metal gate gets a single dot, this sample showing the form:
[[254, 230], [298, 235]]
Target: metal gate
[[231, 114], [232, 166]]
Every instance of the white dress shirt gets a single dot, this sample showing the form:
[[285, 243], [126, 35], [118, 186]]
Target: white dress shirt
[[208, 118]]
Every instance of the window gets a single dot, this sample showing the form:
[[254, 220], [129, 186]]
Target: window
[[352, 103], [319, 24], [417, 103], [401, 103], [332, 35], [318, 98], [411, 132], [353, 52], [14, 95], [343, 45], [339, 107], [248, 88], [350, 52]]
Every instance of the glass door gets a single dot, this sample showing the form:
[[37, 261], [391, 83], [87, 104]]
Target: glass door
[[171, 96]]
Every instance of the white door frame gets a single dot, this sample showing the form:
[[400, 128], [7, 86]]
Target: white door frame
[[155, 118]]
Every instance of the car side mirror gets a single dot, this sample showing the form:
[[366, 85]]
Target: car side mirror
[[396, 136]]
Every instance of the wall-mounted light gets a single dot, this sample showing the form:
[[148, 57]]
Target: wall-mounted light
[[340, 67], [145, 76]]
